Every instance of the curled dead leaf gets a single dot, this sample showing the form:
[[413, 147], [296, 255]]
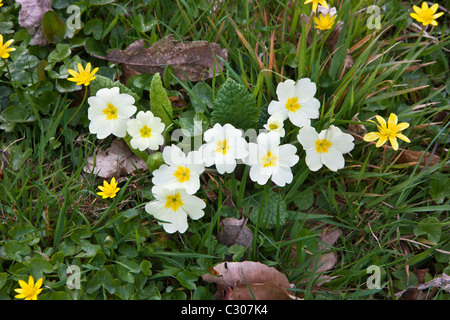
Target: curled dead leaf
[[413, 157], [268, 282], [118, 160]]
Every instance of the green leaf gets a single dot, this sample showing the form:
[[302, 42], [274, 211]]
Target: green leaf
[[187, 279], [146, 266], [53, 27], [195, 123], [430, 226], [61, 51], [94, 27], [154, 161], [235, 105], [268, 212], [15, 250], [17, 114], [440, 188], [201, 97], [101, 82], [160, 104]]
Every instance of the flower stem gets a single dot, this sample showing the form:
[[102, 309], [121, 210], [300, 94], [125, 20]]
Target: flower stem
[[81, 105]]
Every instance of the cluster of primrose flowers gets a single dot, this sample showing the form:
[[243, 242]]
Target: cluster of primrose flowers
[[177, 181]]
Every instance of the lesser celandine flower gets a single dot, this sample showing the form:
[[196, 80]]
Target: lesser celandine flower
[[325, 148], [171, 208], [109, 112], [315, 3], [270, 160], [1, 3], [30, 290], [108, 190], [224, 145], [4, 48], [296, 101], [180, 171], [146, 131], [275, 124], [389, 131], [426, 15], [84, 75], [324, 22]]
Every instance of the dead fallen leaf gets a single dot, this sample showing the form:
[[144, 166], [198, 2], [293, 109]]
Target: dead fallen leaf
[[413, 157], [30, 18], [235, 231], [194, 60], [230, 276], [117, 161], [327, 260], [425, 291]]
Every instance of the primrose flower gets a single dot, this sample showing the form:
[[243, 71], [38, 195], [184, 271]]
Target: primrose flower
[[4, 50], [324, 22], [325, 148], [146, 131], [30, 290], [83, 76], [275, 124], [315, 3], [390, 131], [296, 101], [269, 160], [171, 208], [109, 112], [426, 15], [108, 190], [224, 145], [180, 171]]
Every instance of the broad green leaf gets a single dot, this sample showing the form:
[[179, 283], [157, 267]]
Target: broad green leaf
[[195, 123], [187, 279], [160, 104], [201, 97], [235, 105], [53, 27], [15, 250], [94, 27], [431, 227], [154, 161]]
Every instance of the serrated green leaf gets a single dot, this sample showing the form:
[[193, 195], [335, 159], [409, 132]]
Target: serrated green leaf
[[235, 105], [101, 82], [160, 104]]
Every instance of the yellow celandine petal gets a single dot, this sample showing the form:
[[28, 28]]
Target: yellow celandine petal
[[30, 290], [389, 131], [324, 22], [108, 190], [426, 15], [4, 50], [84, 75], [316, 3]]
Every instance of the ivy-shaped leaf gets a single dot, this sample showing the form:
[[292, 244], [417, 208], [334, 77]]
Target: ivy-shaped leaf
[[235, 105], [101, 82], [160, 104]]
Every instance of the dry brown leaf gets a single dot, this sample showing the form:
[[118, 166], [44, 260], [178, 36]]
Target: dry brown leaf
[[30, 18], [229, 276], [260, 291], [329, 259], [235, 231], [117, 161], [425, 291], [413, 157], [196, 60]]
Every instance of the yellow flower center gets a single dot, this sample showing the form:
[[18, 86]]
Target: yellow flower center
[[110, 111], [322, 145], [173, 201], [292, 104], [146, 132], [269, 160], [182, 174], [222, 146], [273, 126]]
